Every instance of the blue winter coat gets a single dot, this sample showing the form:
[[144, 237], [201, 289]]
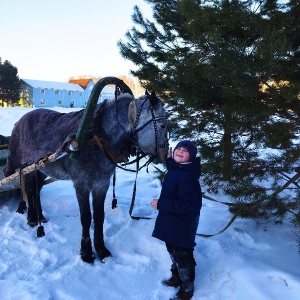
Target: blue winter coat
[[179, 204]]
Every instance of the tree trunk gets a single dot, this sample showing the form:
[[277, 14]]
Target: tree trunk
[[227, 148]]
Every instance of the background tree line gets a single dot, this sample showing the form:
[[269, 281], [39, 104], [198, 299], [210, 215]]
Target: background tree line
[[230, 74], [10, 84]]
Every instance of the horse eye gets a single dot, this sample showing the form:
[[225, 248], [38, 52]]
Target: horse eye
[[163, 126]]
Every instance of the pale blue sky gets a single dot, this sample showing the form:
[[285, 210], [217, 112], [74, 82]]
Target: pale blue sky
[[54, 40]]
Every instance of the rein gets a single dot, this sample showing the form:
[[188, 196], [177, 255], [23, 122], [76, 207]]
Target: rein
[[140, 153], [157, 145], [133, 197], [121, 161], [111, 155]]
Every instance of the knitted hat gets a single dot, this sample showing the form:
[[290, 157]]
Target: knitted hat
[[189, 146]]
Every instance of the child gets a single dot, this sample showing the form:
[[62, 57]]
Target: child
[[179, 207]]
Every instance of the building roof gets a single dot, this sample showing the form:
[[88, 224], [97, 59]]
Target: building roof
[[83, 82], [53, 85]]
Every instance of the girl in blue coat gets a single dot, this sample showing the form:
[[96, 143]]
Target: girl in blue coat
[[179, 207]]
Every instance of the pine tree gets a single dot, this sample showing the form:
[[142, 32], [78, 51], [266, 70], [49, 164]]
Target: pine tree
[[229, 72], [10, 84]]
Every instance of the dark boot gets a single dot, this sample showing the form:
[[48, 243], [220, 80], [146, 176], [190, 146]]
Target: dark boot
[[187, 277], [182, 295], [175, 278], [173, 281]]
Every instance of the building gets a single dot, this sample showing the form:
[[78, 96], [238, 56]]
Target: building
[[75, 93], [38, 93]]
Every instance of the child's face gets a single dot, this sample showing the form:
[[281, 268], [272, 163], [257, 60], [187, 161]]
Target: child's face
[[181, 155]]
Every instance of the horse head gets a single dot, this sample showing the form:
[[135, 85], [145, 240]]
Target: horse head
[[149, 126]]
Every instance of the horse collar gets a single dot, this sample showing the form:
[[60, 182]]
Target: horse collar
[[105, 147]]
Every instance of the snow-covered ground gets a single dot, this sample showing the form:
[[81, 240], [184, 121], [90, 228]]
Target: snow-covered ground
[[249, 261]]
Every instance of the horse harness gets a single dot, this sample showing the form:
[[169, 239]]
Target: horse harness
[[154, 120], [105, 147]]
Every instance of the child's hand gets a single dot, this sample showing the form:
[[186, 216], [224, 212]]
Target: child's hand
[[169, 152], [154, 203]]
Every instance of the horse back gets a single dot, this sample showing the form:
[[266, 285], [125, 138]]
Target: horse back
[[39, 133]]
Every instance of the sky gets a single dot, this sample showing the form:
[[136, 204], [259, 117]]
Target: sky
[[251, 260], [58, 39]]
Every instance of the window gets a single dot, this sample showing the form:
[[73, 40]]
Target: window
[[72, 103], [59, 102], [56, 92], [42, 101], [42, 91], [69, 93], [80, 94]]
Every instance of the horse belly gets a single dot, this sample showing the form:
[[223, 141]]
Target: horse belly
[[56, 171]]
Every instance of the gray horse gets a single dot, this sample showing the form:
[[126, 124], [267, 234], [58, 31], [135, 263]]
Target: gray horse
[[122, 124]]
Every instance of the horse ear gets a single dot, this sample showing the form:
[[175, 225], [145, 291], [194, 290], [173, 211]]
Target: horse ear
[[132, 113], [153, 99]]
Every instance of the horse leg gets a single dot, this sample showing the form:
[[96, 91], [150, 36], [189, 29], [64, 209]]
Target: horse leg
[[98, 209], [39, 183], [33, 184], [31, 212], [23, 203], [86, 252]]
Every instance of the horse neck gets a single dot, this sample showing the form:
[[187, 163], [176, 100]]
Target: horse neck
[[115, 125]]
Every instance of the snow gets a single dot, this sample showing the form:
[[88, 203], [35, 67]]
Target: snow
[[252, 260]]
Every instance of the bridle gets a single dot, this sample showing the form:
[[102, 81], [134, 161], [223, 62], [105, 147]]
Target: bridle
[[140, 152], [136, 129]]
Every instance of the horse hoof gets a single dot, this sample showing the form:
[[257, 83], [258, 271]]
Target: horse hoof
[[87, 257], [43, 219], [86, 252], [32, 222], [103, 253]]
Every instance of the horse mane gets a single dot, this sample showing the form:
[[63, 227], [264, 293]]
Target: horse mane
[[112, 106]]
